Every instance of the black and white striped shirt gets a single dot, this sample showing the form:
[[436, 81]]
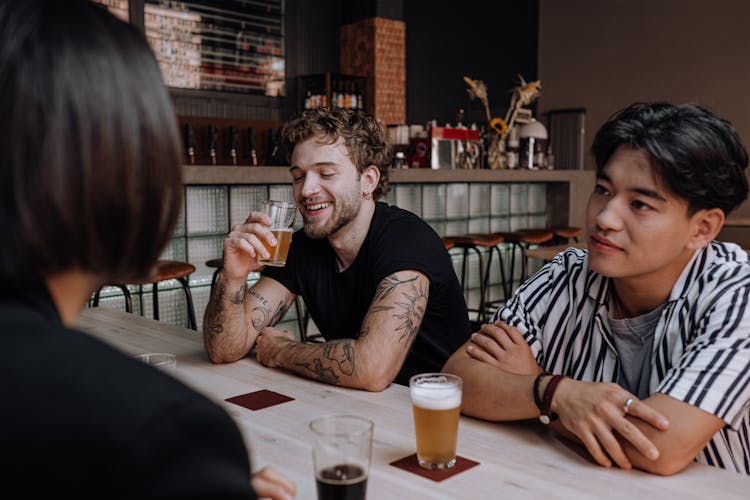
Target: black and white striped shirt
[[701, 349]]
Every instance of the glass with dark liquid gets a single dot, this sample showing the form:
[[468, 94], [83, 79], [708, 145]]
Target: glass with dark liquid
[[342, 482], [341, 456]]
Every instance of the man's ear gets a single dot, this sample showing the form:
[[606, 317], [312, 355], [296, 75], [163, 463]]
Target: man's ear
[[706, 226], [370, 179]]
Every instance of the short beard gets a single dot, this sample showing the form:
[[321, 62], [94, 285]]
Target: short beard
[[347, 211]]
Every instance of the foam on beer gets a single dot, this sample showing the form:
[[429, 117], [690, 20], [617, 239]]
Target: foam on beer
[[436, 396]]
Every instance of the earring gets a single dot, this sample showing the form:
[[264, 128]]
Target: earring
[[366, 196]]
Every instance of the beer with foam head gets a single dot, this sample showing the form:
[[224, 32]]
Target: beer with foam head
[[436, 402]]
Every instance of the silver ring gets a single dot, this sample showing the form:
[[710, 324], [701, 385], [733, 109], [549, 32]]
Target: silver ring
[[626, 405]]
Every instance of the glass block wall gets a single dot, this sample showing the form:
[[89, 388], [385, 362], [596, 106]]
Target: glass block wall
[[450, 208]]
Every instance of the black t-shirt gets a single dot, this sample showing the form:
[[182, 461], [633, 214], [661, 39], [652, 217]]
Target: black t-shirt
[[397, 240]]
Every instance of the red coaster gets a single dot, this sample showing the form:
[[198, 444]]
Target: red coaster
[[411, 464], [259, 399]]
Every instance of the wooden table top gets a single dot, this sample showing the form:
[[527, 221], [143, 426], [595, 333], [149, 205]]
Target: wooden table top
[[517, 460]]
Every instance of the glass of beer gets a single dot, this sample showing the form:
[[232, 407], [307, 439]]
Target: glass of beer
[[436, 401], [283, 214], [341, 450]]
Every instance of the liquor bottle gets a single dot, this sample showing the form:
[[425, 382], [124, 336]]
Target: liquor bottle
[[355, 102], [347, 96], [339, 96]]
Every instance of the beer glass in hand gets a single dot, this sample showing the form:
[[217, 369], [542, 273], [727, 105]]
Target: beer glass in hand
[[436, 401], [342, 446], [283, 214]]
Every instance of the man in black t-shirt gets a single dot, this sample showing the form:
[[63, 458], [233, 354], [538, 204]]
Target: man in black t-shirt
[[376, 279]]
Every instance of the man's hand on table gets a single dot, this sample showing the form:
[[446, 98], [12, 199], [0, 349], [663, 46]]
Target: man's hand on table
[[270, 343]]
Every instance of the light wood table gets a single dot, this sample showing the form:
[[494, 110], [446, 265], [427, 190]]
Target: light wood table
[[518, 460]]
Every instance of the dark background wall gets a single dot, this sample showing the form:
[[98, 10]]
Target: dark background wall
[[488, 40], [491, 41]]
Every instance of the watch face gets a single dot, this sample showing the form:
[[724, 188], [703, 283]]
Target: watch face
[[544, 419]]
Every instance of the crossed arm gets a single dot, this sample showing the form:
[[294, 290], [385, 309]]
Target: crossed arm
[[660, 434], [237, 318]]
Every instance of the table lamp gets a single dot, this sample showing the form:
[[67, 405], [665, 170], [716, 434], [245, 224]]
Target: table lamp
[[533, 131]]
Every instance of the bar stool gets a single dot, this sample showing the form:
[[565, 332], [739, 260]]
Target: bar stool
[[563, 234], [472, 242], [523, 239], [163, 270]]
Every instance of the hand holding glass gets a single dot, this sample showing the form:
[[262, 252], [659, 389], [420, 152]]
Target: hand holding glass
[[436, 401], [283, 214], [342, 446]]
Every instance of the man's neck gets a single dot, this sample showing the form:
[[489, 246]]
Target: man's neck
[[348, 240], [638, 295]]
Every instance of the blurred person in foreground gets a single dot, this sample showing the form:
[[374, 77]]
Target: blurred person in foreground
[[638, 348], [90, 192], [376, 279]]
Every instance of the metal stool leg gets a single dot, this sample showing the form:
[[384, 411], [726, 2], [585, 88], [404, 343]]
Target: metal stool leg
[[189, 300], [155, 300], [125, 292], [213, 280], [301, 319]]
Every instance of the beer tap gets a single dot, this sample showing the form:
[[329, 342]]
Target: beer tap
[[251, 146], [233, 144], [190, 142], [212, 143]]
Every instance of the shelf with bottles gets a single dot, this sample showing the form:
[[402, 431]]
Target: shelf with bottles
[[331, 90]]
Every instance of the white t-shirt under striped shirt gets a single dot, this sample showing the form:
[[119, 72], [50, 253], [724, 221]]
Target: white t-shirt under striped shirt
[[701, 348]]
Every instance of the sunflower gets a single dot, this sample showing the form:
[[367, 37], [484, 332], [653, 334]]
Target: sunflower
[[499, 125]]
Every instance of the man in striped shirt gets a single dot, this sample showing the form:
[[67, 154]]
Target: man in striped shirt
[[638, 348]]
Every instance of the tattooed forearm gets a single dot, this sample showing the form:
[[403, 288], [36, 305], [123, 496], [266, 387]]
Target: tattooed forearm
[[213, 319], [388, 285], [336, 359]]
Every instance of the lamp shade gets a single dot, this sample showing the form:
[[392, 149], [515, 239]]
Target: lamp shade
[[534, 129]]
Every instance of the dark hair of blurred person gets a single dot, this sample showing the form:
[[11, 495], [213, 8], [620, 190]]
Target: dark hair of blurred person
[[91, 190]]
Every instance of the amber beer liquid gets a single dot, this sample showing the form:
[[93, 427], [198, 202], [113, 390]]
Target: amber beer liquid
[[281, 250], [436, 402]]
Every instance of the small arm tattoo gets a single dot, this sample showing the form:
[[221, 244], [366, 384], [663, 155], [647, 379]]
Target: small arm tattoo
[[239, 297]]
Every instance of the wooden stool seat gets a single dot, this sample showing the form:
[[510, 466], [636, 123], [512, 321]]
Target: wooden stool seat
[[163, 270], [168, 270], [523, 238], [563, 234], [567, 232], [528, 236]]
